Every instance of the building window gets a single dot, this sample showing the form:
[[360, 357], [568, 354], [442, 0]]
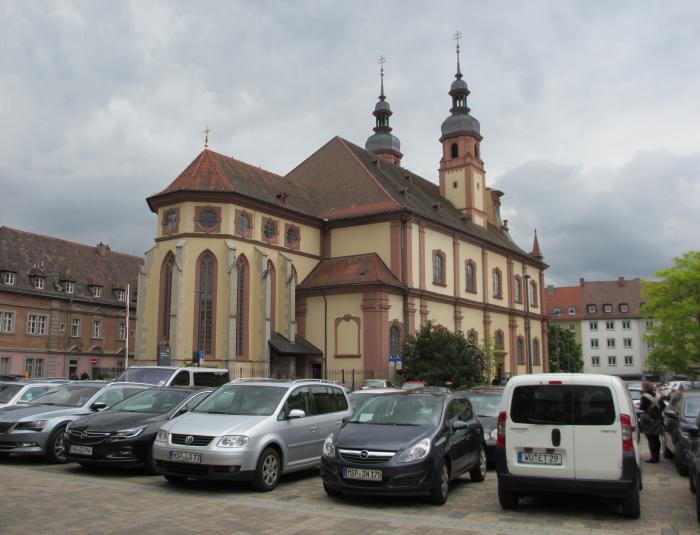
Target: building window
[[34, 366], [121, 333], [607, 309], [593, 325], [627, 342], [650, 346], [572, 327], [454, 150], [166, 293], [609, 325], [591, 309], [242, 309], [4, 365], [629, 361], [520, 350], [499, 340], [207, 218], [69, 287], [96, 290], [120, 294], [595, 361], [269, 230], [292, 236], [471, 276], [572, 311], [97, 328], [75, 328], [39, 283], [518, 289], [536, 352], [206, 275], [244, 224], [7, 322], [594, 343], [171, 220], [394, 340], [533, 294], [439, 268], [624, 307], [497, 284], [556, 311], [612, 360], [36, 324], [476, 151], [626, 325], [610, 343], [649, 324], [8, 277]]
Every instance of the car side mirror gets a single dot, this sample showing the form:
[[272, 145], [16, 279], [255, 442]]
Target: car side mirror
[[296, 413], [98, 406], [459, 424], [692, 430]]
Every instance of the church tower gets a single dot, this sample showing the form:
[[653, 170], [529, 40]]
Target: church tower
[[383, 143], [461, 169]]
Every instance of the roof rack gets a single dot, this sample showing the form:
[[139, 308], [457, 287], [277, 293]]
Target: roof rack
[[310, 381], [257, 379]]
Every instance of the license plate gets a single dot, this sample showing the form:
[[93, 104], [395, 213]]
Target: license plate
[[185, 457], [81, 450], [363, 474], [527, 457]]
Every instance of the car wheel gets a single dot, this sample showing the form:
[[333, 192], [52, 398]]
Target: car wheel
[[175, 480], [267, 473], [630, 505], [478, 473], [332, 492], [55, 447], [507, 499], [681, 462], [149, 466], [441, 488]]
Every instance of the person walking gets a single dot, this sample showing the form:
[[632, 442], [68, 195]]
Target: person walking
[[651, 422]]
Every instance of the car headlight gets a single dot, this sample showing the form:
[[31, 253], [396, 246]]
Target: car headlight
[[233, 441], [416, 452], [129, 433], [329, 448], [34, 425], [162, 436]]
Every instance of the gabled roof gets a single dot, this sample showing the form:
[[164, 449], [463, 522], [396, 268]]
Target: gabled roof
[[562, 298], [356, 270], [613, 293], [25, 254]]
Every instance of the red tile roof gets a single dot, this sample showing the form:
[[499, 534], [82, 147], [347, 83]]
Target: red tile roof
[[563, 298], [613, 293], [356, 270]]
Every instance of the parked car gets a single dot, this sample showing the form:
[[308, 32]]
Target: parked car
[[413, 385], [486, 401], [376, 383], [683, 409], [20, 392], [123, 435], [360, 397], [38, 427], [251, 430], [692, 429], [175, 376], [568, 433], [405, 443], [673, 386]]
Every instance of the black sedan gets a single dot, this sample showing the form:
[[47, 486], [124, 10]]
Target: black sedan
[[693, 432], [681, 411], [405, 444], [123, 435], [485, 401]]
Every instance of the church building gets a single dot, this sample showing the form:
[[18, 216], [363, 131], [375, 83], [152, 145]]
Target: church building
[[325, 270]]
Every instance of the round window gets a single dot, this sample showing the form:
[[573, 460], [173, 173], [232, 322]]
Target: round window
[[292, 235], [207, 218], [270, 229], [171, 220], [243, 224]]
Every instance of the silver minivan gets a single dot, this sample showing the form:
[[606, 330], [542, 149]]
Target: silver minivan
[[252, 430], [175, 375]]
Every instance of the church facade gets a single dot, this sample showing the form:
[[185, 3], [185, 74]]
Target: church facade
[[329, 267]]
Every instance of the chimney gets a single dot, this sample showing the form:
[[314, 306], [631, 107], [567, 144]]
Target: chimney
[[102, 249], [620, 281], [550, 288], [582, 282]]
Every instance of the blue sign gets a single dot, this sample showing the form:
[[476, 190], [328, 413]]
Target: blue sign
[[399, 362], [392, 360]]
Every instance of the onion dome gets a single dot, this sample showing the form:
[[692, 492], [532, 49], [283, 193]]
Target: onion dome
[[460, 122], [383, 141]]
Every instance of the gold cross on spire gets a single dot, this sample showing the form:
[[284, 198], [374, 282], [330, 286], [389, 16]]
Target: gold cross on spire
[[206, 136], [456, 37]]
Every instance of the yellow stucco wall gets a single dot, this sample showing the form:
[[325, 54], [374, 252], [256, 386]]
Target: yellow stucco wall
[[456, 196], [362, 239]]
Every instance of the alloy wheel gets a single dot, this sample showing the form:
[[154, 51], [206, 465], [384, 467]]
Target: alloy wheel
[[482, 462], [444, 480], [59, 449], [270, 469]]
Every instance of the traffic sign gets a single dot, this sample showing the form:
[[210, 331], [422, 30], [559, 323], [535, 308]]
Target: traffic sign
[[392, 360], [93, 362], [399, 362]]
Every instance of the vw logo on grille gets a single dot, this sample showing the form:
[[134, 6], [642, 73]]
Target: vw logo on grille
[[84, 434], [364, 454], [189, 439]]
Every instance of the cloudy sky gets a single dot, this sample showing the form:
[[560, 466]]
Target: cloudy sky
[[590, 111]]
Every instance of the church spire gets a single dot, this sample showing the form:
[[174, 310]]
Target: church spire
[[536, 252], [383, 143]]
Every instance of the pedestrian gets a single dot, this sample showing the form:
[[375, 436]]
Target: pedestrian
[[651, 422], [84, 376], [496, 381]]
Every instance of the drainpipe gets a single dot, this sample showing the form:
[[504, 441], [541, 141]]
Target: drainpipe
[[325, 336]]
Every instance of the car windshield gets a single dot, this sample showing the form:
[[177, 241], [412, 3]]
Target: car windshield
[[149, 376], [691, 407], [71, 395], [485, 404], [7, 391], [243, 400], [152, 401], [400, 410]]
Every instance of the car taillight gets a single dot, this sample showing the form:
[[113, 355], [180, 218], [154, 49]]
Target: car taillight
[[501, 429], [626, 424]]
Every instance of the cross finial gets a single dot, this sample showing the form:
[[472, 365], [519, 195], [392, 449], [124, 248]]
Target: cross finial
[[206, 136], [381, 61], [456, 37]]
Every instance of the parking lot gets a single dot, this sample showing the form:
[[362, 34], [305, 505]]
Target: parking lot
[[69, 499]]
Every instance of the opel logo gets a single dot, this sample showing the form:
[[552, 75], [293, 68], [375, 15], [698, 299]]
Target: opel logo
[[364, 454], [189, 440]]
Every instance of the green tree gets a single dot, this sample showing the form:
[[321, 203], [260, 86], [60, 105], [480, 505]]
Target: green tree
[[438, 356], [674, 303], [565, 354]]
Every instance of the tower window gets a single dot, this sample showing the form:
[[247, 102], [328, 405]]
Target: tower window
[[454, 150], [454, 184], [476, 150]]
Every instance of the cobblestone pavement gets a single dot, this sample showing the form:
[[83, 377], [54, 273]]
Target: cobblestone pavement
[[69, 499]]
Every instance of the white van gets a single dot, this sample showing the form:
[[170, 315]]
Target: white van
[[565, 432], [176, 376]]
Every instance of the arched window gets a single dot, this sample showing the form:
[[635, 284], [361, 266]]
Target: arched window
[[476, 150], [499, 341], [536, 351], [497, 284], [273, 293], [454, 151], [471, 276], [242, 307], [533, 293], [473, 336], [205, 291], [439, 268], [520, 350], [166, 292], [394, 340], [518, 289]]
